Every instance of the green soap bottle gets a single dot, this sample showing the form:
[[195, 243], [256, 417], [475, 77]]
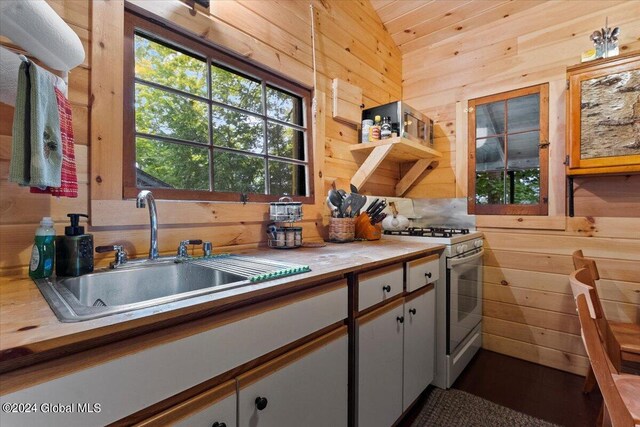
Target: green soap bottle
[[43, 252]]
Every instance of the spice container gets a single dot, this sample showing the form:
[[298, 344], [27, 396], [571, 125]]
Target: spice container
[[374, 130], [366, 126], [285, 210]]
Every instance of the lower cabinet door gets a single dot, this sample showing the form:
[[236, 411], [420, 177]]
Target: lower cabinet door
[[305, 387], [419, 344], [213, 408], [379, 366]]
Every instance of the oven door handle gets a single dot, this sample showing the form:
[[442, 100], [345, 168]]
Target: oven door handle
[[452, 262]]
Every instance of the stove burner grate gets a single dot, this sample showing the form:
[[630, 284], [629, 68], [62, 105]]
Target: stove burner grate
[[429, 231]]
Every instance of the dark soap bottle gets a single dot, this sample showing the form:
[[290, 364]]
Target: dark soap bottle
[[74, 250]]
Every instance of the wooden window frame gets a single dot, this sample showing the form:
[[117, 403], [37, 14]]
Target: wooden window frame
[[542, 208], [136, 20]]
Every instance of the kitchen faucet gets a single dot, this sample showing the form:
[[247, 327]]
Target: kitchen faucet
[[143, 198]]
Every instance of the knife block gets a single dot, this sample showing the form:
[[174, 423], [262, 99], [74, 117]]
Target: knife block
[[365, 230]]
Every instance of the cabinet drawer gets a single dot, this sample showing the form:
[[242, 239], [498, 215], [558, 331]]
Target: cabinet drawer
[[305, 387], [134, 374], [378, 285], [423, 271], [217, 405]]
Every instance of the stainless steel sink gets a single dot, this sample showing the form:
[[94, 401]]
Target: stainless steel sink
[[147, 283], [115, 291]]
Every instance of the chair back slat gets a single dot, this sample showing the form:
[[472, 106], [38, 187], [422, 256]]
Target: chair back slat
[[579, 261], [583, 284], [602, 366]]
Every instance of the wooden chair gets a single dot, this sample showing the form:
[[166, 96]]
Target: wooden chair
[[619, 391], [622, 340]]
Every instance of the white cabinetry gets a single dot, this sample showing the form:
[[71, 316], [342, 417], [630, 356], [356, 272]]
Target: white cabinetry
[[305, 387], [379, 366], [213, 408], [419, 344], [395, 351], [423, 271], [379, 285], [140, 372]]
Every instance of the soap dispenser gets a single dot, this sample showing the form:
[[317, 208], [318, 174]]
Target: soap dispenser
[[74, 250]]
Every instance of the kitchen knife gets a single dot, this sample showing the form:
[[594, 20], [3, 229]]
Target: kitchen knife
[[379, 209], [378, 218], [372, 205]]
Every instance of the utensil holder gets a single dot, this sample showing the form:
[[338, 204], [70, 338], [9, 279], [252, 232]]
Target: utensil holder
[[365, 230], [341, 230]]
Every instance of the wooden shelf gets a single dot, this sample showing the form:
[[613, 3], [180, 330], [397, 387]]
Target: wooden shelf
[[398, 150]]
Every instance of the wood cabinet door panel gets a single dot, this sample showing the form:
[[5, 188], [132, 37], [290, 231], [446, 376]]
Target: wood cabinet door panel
[[603, 116]]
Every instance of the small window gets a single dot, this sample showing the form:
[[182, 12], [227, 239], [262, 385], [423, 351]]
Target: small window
[[508, 152], [203, 124]]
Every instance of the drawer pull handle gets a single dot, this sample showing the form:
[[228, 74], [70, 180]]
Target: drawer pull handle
[[412, 311], [261, 403], [427, 275], [400, 319], [217, 424], [386, 288]]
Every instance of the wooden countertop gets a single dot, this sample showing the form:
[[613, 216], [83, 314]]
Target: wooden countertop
[[30, 332]]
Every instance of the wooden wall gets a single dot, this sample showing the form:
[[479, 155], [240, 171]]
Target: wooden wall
[[351, 44], [528, 309]]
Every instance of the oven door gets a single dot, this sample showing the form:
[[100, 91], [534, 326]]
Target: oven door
[[464, 286]]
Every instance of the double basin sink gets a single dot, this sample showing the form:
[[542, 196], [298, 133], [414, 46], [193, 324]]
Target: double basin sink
[[130, 288]]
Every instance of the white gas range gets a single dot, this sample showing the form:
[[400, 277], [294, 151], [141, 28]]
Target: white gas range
[[458, 298]]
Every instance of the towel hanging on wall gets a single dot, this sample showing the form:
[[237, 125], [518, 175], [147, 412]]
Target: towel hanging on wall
[[36, 152], [69, 177]]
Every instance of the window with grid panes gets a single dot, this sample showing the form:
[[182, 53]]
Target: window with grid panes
[[508, 152], [205, 124]]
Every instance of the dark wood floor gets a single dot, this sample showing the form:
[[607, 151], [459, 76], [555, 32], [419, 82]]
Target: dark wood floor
[[541, 392]]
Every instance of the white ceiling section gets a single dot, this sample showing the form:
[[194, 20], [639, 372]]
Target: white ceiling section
[[415, 24]]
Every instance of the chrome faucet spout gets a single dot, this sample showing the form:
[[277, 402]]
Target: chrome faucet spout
[[145, 197]]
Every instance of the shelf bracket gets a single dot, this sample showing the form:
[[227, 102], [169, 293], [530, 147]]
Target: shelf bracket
[[369, 166], [411, 176]]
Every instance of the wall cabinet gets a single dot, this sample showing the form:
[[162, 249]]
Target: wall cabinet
[[395, 347], [603, 116]]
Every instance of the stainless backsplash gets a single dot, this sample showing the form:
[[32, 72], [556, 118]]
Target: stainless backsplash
[[433, 212]]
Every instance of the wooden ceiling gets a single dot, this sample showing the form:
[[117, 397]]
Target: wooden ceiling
[[416, 24]]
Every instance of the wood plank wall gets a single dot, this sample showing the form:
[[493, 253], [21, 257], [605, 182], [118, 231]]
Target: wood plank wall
[[528, 308], [351, 44]]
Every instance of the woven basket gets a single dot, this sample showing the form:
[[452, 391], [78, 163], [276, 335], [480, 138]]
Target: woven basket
[[341, 229]]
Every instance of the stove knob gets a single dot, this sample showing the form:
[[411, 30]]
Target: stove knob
[[459, 249], [477, 243], [464, 248]]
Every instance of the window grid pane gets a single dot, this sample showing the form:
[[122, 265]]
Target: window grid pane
[[170, 115], [507, 151]]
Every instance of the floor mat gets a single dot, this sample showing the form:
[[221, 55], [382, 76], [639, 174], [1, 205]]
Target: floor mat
[[455, 408]]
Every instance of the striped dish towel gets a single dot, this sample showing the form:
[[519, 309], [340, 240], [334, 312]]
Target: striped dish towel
[[69, 182]]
